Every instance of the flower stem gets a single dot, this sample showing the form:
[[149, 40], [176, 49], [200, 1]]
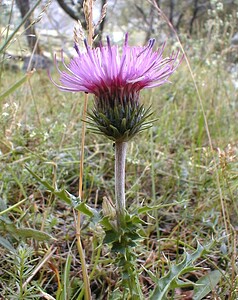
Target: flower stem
[[120, 162], [128, 258]]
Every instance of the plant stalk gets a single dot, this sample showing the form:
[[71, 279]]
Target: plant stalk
[[86, 278], [120, 164]]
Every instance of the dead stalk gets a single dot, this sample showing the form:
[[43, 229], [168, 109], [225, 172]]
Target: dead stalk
[[88, 8]]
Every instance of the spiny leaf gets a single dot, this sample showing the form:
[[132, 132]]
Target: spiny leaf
[[42, 181], [171, 279], [147, 208], [63, 195]]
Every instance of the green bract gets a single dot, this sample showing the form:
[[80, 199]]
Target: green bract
[[119, 121]]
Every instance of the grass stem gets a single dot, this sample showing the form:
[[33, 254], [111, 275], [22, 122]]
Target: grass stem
[[78, 229]]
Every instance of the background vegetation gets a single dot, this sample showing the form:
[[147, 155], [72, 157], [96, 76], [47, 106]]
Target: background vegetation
[[187, 162]]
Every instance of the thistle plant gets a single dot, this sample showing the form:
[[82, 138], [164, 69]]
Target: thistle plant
[[115, 77]]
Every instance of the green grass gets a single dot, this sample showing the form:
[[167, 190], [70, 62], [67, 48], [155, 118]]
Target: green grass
[[171, 164]]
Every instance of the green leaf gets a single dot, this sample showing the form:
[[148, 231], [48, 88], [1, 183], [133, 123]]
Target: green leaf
[[171, 279], [65, 287], [32, 233], [6, 244], [27, 232], [85, 209], [11, 228], [64, 196], [151, 274], [111, 237], [146, 208], [5, 221], [106, 223], [133, 236], [206, 284], [134, 219], [68, 198], [121, 248], [42, 181]]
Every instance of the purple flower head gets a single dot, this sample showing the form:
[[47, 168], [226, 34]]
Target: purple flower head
[[104, 69], [116, 78]]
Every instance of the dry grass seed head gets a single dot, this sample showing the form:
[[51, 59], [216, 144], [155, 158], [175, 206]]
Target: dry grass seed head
[[87, 11], [226, 156], [103, 15], [43, 11], [79, 34]]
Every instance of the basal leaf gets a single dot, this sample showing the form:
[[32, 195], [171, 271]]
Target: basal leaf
[[171, 279]]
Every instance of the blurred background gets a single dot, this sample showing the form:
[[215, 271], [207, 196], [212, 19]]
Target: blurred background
[[207, 25]]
